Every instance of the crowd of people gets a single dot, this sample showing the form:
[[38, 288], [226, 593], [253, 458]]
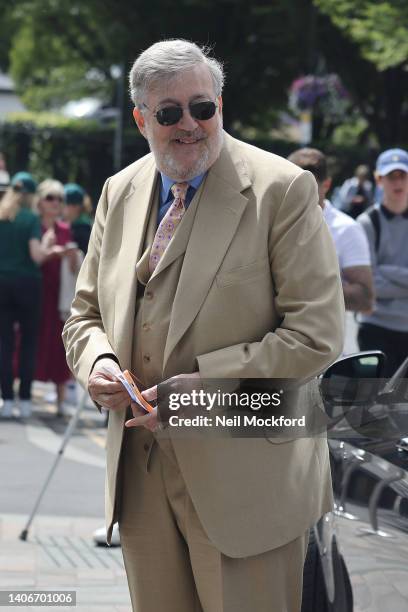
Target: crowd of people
[[370, 236], [44, 234]]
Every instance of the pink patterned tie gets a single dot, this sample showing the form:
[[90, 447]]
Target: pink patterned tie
[[168, 224]]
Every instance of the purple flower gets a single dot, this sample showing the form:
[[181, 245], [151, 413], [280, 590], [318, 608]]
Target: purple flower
[[310, 91]]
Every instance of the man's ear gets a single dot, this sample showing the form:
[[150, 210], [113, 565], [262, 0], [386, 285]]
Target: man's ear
[[139, 119], [219, 99], [378, 179]]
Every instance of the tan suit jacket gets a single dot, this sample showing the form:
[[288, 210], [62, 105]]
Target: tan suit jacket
[[255, 293]]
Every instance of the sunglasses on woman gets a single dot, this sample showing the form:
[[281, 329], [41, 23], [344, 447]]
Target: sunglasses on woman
[[170, 115], [50, 197]]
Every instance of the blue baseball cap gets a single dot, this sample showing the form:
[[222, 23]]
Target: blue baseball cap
[[390, 160]]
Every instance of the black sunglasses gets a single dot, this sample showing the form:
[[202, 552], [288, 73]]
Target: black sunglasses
[[170, 115], [50, 197]]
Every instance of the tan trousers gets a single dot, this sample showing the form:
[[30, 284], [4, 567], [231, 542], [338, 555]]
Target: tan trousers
[[170, 563]]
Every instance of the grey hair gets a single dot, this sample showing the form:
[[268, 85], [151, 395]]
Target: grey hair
[[166, 59]]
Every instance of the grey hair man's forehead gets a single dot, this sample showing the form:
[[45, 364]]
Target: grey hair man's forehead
[[166, 59]]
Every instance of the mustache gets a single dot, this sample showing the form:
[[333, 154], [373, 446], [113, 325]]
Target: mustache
[[197, 133]]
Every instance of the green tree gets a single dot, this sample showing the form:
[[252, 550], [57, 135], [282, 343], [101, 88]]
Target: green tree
[[9, 25], [380, 28], [64, 48], [366, 42]]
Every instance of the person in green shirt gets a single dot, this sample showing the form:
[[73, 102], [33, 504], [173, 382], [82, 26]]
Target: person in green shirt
[[21, 253]]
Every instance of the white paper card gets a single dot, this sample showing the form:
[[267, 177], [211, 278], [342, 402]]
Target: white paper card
[[129, 389]]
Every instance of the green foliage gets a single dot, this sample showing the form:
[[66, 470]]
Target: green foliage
[[61, 50], [379, 95], [379, 28], [350, 133], [64, 49], [53, 120], [47, 59], [9, 25], [49, 145]]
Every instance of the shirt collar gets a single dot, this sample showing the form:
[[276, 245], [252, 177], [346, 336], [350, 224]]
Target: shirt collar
[[167, 183], [390, 215]]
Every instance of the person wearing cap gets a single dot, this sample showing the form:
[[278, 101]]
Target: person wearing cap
[[21, 254], [24, 183], [386, 226], [74, 213]]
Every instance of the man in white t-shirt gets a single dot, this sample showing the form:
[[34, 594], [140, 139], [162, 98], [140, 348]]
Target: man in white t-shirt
[[350, 240]]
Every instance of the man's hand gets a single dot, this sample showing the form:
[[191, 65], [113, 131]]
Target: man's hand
[[149, 419], [49, 239], [141, 418], [104, 387]]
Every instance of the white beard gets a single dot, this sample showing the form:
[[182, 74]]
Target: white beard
[[169, 166]]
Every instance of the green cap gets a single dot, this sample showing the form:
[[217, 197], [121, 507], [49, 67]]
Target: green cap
[[74, 194], [25, 181]]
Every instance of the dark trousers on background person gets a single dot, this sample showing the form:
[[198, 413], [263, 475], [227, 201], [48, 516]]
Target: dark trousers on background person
[[19, 303], [391, 342]]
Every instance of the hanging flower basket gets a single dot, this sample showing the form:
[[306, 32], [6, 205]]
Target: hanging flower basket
[[319, 93]]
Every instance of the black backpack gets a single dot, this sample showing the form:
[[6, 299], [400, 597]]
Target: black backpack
[[374, 215]]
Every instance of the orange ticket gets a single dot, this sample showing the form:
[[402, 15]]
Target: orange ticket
[[138, 397]]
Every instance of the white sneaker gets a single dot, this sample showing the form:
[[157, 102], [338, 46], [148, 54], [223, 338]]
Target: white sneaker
[[50, 397], [26, 408], [7, 410], [99, 536]]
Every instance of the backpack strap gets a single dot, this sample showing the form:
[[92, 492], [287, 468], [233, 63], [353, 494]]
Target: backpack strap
[[374, 215]]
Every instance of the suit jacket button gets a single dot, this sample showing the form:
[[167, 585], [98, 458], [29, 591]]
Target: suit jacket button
[[145, 327], [148, 295], [146, 358], [146, 446]]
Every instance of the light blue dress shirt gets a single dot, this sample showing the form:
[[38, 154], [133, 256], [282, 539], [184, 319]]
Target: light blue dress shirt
[[166, 197]]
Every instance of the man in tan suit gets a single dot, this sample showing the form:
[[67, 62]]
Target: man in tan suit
[[245, 287]]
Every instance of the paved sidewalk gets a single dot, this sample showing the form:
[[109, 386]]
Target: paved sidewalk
[[59, 554]]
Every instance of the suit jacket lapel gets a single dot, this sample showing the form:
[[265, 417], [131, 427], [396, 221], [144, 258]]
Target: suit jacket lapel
[[218, 215], [135, 217], [142, 266]]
